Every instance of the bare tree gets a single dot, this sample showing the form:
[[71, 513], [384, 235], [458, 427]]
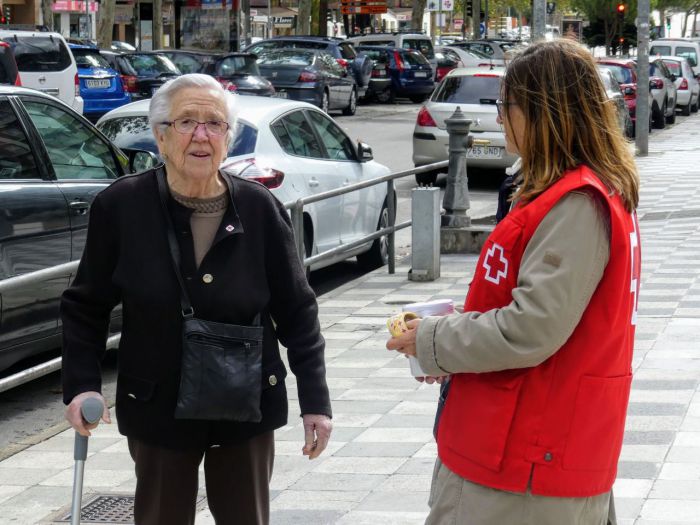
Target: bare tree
[[157, 24], [47, 14], [417, 14], [105, 23], [304, 17]]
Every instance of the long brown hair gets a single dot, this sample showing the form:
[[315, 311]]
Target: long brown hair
[[568, 120]]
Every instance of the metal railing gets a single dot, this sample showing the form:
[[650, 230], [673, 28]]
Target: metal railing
[[297, 213], [296, 209]]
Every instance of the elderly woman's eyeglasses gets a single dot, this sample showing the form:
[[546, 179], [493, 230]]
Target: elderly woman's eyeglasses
[[500, 104], [188, 125]]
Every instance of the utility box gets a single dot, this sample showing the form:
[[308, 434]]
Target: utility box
[[425, 234]]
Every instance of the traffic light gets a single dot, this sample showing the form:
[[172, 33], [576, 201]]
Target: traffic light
[[5, 19], [621, 8]]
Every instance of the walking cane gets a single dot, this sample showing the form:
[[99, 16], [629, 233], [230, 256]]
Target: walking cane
[[91, 410]]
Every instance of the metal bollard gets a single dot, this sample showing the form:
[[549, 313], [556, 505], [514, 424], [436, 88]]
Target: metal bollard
[[456, 200], [425, 233]]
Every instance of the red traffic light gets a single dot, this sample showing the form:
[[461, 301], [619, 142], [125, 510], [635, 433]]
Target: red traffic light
[[621, 8], [3, 20]]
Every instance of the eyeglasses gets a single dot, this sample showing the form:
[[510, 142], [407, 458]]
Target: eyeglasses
[[188, 125], [500, 104]]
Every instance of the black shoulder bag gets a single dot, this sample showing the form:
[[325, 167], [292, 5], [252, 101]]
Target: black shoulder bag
[[221, 363]]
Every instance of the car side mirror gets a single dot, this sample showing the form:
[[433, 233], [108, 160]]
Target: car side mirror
[[141, 160], [364, 152]]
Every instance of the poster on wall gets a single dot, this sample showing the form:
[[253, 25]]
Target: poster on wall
[[146, 35]]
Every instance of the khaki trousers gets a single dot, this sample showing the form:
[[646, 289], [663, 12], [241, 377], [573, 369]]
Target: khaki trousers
[[237, 481], [456, 501]]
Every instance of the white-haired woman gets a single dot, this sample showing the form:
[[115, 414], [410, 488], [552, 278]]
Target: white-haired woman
[[232, 245]]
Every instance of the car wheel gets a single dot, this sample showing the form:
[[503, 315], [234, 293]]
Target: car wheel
[[352, 104], [378, 254], [685, 110], [386, 97], [427, 178], [417, 99], [694, 107], [659, 116], [325, 103], [671, 119]]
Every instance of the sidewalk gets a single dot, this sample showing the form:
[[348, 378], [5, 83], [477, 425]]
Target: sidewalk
[[378, 466]]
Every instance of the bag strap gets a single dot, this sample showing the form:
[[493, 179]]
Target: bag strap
[[185, 305]]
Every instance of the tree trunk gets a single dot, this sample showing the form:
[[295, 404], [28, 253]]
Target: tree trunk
[[315, 17], [608, 36], [303, 17], [157, 24], [662, 18], [417, 15], [105, 23], [47, 14], [693, 33], [244, 24], [323, 17]]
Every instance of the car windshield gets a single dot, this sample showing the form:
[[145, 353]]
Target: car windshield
[[152, 65], [39, 53], [237, 65], [379, 56], [674, 67], [660, 50], [135, 133], [474, 89], [285, 57], [622, 74], [607, 79], [87, 58], [689, 54]]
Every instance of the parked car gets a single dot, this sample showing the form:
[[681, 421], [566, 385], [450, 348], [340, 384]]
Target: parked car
[[309, 76], [475, 91], [663, 90], [190, 61], [296, 150], [680, 47], [239, 72], [46, 64], [8, 67], [408, 72], [358, 66], [101, 86], [142, 72], [625, 72], [687, 85], [52, 164], [470, 57], [446, 62], [415, 41], [121, 46], [615, 94], [496, 49]]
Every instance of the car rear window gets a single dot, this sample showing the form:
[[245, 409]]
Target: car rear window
[[285, 57], [622, 74], [689, 53], [347, 51], [152, 65], [241, 65], [674, 67], [39, 53], [413, 58], [8, 69], [380, 57], [88, 58], [422, 45], [473, 89], [660, 50]]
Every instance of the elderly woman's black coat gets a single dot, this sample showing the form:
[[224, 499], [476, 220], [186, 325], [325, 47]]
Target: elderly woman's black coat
[[252, 266]]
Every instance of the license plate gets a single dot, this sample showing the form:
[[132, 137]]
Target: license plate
[[485, 152], [420, 74], [102, 83], [280, 94]]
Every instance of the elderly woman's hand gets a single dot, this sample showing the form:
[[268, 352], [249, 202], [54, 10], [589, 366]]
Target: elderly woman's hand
[[317, 432], [406, 342], [75, 416]]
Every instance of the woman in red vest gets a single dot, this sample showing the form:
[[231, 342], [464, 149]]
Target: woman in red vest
[[540, 360]]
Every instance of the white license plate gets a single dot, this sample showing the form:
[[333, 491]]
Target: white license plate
[[102, 83], [420, 74], [485, 152], [280, 94]]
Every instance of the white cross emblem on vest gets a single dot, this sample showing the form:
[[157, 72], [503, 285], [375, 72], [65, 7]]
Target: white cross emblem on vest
[[495, 264]]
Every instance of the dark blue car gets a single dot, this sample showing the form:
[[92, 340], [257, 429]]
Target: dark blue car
[[398, 73], [100, 86]]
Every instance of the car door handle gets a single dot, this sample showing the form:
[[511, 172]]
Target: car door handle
[[313, 182], [79, 207]]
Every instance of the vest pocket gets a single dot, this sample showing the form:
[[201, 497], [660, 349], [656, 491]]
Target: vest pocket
[[598, 424], [478, 416]]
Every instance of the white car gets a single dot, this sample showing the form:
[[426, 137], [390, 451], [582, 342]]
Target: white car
[[46, 64], [475, 91], [687, 86], [296, 150], [470, 57]]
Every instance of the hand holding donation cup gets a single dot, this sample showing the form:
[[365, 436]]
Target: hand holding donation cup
[[397, 323]]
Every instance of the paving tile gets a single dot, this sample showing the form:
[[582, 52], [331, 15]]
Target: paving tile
[[304, 517], [396, 435], [671, 510], [675, 489], [628, 508], [25, 477], [679, 454], [650, 453], [338, 500], [637, 469], [650, 437], [360, 465], [320, 481], [680, 471], [421, 421], [379, 449], [387, 501], [393, 517], [632, 488], [94, 478]]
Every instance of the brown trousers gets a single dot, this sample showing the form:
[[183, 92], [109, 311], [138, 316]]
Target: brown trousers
[[237, 481]]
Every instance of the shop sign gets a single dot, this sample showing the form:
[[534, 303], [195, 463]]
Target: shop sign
[[284, 21], [260, 18], [62, 6]]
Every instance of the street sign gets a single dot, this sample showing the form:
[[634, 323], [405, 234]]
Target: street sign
[[363, 7], [447, 5]]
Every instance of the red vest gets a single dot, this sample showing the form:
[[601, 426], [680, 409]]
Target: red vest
[[558, 425]]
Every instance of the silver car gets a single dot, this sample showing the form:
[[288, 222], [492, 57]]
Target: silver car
[[687, 86], [475, 91], [663, 90]]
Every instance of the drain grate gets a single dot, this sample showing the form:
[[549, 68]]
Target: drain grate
[[106, 509]]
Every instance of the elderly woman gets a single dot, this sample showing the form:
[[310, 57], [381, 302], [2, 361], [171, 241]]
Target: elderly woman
[[540, 360], [185, 243]]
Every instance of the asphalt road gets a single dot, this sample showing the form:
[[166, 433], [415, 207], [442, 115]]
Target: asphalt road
[[34, 411]]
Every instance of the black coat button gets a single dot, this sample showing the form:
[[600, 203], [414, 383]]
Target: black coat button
[[548, 456]]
